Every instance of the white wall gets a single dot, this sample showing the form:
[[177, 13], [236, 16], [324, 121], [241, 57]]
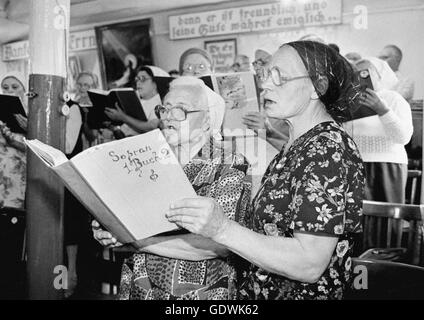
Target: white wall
[[389, 22]]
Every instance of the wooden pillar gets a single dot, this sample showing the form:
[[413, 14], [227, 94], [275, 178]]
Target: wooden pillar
[[49, 25]]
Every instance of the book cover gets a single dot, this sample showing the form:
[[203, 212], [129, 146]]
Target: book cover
[[9, 107], [126, 98], [364, 81], [240, 93], [127, 185]]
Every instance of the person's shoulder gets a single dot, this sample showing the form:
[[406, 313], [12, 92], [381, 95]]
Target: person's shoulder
[[332, 136], [231, 159]]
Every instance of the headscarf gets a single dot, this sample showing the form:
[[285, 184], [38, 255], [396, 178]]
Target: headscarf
[[158, 72], [343, 87], [385, 78], [22, 80], [18, 76], [191, 51], [263, 55]]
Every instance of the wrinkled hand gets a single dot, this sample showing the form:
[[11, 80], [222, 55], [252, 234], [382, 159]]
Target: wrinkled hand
[[105, 238], [370, 99], [116, 114], [199, 215], [254, 120]]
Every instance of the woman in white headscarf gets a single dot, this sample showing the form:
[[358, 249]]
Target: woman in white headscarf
[[147, 89], [198, 63], [12, 148], [382, 138]]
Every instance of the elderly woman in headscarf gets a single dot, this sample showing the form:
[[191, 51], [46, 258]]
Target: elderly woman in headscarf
[[183, 265], [381, 138], [299, 235], [198, 63], [147, 89], [12, 148]]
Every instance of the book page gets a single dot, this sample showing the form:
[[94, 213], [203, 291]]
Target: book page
[[239, 92], [49, 155], [85, 194], [137, 178]]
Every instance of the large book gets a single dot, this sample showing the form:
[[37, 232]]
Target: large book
[[240, 93], [126, 98], [127, 185], [10, 106], [363, 79]]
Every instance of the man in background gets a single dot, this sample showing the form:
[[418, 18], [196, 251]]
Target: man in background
[[393, 56]]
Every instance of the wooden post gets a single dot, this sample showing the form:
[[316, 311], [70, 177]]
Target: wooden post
[[48, 54]]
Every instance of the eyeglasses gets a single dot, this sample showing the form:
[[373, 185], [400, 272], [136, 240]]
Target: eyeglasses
[[258, 63], [142, 79], [276, 77], [195, 67], [178, 113]]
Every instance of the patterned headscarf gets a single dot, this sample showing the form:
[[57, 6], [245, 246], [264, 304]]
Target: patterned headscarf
[[320, 60]]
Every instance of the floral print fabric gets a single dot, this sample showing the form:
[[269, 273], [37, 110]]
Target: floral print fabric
[[12, 173], [316, 188], [152, 277]]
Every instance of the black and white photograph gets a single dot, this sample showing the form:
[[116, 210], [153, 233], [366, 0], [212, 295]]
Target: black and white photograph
[[229, 152]]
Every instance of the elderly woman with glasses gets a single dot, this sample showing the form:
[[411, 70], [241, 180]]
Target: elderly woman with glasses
[[300, 232], [198, 63], [183, 265], [147, 89]]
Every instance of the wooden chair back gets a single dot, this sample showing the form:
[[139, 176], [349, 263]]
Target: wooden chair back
[[388, 225]]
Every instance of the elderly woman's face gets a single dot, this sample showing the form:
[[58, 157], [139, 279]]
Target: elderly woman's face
[[12, 86], [178, 131], [145, 85], [287, 91], [196, 65], [84, 83]]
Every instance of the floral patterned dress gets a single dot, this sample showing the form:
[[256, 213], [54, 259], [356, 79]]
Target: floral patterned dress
[[12, 172], [315, 188], [220, 175]]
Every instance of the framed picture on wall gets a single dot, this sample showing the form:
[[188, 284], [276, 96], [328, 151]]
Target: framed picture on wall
[[223, 53], [122, 47]]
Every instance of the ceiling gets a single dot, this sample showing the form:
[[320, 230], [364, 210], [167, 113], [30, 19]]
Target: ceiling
[[92, 10]]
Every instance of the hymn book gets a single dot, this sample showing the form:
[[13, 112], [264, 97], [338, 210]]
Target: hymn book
[[10, 106], [126, 184], [240, 93], [126, 98]]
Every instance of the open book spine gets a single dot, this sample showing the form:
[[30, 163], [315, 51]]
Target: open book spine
[[79, 187]]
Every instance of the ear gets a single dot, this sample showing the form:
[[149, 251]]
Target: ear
[[321, 85]]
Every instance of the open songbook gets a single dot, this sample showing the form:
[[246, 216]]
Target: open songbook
[[126, 184], [126, 98]]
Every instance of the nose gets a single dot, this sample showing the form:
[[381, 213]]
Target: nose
[[267, 84]]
